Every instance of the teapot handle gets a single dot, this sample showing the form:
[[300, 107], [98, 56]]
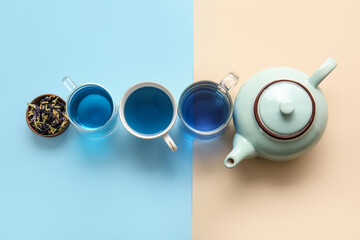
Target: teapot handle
[[322, 72]]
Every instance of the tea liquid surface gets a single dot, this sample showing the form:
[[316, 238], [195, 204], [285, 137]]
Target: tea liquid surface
[[148, 110], [91, 107], [205, 109]]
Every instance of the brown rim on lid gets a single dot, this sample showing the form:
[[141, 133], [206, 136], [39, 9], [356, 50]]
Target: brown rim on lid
[[277, 135]]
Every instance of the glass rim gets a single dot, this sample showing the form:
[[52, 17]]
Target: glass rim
[[71, 95], [223, 91]]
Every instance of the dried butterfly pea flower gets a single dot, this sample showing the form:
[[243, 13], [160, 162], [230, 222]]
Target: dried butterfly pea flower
[[49, 116]]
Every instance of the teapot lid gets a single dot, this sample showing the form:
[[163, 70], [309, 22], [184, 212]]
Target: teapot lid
[[284, 109]]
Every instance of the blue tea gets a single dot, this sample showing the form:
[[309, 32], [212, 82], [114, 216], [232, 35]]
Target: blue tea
[[148, 110], [205, 107], [91, 106]]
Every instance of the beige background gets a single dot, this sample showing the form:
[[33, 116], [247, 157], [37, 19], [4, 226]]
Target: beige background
[[318, 195]]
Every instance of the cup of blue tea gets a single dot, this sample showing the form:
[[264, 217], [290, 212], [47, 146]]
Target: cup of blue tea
[[148, 110], [91, 109], [205, 107]]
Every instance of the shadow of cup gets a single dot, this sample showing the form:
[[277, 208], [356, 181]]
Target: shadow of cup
[[151, 154]]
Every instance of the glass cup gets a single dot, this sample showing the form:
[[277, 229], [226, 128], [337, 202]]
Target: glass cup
[[91, 109], [148, 110], [205, 107]]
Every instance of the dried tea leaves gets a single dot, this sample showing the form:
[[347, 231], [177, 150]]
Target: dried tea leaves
[[49, 117]]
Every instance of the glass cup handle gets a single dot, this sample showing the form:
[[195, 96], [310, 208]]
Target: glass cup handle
[[69, 84], [229, 81], [171, 144]]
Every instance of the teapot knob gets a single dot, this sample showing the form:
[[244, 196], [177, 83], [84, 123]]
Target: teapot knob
[[287, 107]]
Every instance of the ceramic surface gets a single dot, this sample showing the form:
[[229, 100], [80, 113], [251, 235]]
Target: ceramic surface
[[251, 140], [164, 134]]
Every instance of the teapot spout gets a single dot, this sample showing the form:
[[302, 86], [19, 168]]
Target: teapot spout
[[243, 149]]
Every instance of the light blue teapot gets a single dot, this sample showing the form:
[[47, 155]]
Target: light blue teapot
[[279, 114]]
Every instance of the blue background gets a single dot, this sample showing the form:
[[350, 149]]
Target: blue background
[[70, 187]]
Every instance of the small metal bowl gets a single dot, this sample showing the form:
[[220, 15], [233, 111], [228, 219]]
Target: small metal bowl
[[37, 101]]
